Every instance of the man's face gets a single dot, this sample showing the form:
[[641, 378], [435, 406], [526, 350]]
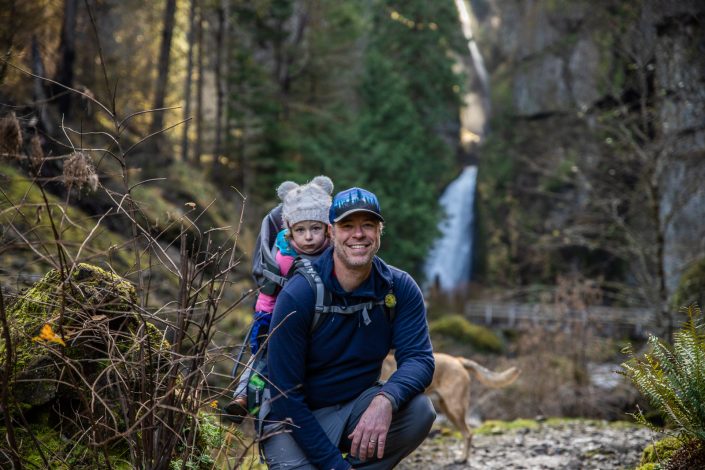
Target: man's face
[[356, 239]]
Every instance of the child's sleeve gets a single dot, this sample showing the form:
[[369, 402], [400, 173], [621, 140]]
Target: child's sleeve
[[265, 303], [284, 257]]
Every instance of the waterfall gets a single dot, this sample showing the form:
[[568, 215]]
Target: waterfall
[[449, 263], [450, 260], [464, 15]]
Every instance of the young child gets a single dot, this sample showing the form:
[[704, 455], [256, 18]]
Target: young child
[[305, 234]]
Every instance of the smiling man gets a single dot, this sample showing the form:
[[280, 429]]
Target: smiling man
[[329, 410]]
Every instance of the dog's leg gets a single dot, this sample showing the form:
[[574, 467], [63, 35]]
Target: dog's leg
[[456, 411]]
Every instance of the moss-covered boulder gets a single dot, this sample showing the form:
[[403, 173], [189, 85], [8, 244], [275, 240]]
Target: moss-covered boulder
[[658, 453], [460, 329], [67, 329]]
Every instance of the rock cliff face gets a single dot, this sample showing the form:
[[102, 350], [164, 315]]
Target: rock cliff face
[[599, 103]]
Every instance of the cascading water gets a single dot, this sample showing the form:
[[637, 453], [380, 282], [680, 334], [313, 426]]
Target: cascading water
[[449, 262]]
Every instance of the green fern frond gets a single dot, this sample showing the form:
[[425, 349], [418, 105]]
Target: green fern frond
[[672, 378]]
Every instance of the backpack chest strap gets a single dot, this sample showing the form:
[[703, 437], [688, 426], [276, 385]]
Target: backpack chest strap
[[323, 298], [275, 278], [365, 307]]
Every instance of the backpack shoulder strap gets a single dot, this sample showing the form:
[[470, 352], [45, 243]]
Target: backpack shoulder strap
[[323, 297]]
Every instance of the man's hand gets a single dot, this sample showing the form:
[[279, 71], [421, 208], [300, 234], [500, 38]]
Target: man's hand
[[370, 434]]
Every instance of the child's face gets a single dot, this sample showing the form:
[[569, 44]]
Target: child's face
[[308, 236]]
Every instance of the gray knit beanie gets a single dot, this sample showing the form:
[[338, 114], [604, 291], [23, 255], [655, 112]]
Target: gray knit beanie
[[309, 201]]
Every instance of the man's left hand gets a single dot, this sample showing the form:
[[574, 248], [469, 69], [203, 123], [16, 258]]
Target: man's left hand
[[370, 434]]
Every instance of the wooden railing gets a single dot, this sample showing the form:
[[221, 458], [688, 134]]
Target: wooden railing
[[517, 315]]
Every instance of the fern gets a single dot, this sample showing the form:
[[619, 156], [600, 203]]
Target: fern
[[672, 378]]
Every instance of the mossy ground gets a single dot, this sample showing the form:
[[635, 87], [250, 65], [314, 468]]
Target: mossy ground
[[658, 453], [499, 427], [23, 210], [61, 452], [461, 330]]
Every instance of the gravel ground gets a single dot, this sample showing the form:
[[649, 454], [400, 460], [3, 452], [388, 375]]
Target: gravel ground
[[566, 445]]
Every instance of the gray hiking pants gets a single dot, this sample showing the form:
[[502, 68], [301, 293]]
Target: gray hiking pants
[[410, 426]]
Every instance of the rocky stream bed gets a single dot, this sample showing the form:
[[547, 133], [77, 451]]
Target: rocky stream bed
[[572, 444]]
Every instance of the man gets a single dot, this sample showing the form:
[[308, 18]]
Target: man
[[324, 379]]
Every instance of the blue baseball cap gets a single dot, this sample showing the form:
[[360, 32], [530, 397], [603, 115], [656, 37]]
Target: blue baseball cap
[[354, 200]]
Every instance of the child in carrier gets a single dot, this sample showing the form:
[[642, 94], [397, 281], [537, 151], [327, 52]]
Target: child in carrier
[[305, 234]]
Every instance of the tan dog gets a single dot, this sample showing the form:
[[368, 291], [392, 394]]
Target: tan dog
[[451, 384]]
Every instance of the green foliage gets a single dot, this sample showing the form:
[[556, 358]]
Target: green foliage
[[418, 39], [672, 378], [495, 203], [210, 437], [460, 329], [394, 161]]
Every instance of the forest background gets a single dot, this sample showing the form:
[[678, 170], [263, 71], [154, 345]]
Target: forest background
[[588, 141], [159, 131]]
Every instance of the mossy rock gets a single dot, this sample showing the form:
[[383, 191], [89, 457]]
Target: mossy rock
[[460, 329], [660, 451], [70, 326], [77, 383]]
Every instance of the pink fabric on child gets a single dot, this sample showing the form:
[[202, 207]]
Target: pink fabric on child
[[265, 303]]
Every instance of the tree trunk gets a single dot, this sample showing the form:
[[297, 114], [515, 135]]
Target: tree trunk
[[39, 92], [8, 39], [199, 88], [163, 66], [285, 57], [188, 82], [66, 57], [226, 81], [220, 86], [665, 315]]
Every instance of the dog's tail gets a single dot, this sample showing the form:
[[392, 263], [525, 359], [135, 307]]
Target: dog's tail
[[488, 377]]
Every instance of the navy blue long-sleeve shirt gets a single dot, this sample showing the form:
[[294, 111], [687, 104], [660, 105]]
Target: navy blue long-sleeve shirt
[[343, 357]]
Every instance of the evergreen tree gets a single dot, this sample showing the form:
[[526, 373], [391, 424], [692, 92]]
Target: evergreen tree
[[421, 39], [393, 138], [398, 160]]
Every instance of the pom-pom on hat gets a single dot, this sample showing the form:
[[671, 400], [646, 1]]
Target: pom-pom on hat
[[309, 201]]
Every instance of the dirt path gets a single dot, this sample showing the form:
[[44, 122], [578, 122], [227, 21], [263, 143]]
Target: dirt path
[[566, 445]]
